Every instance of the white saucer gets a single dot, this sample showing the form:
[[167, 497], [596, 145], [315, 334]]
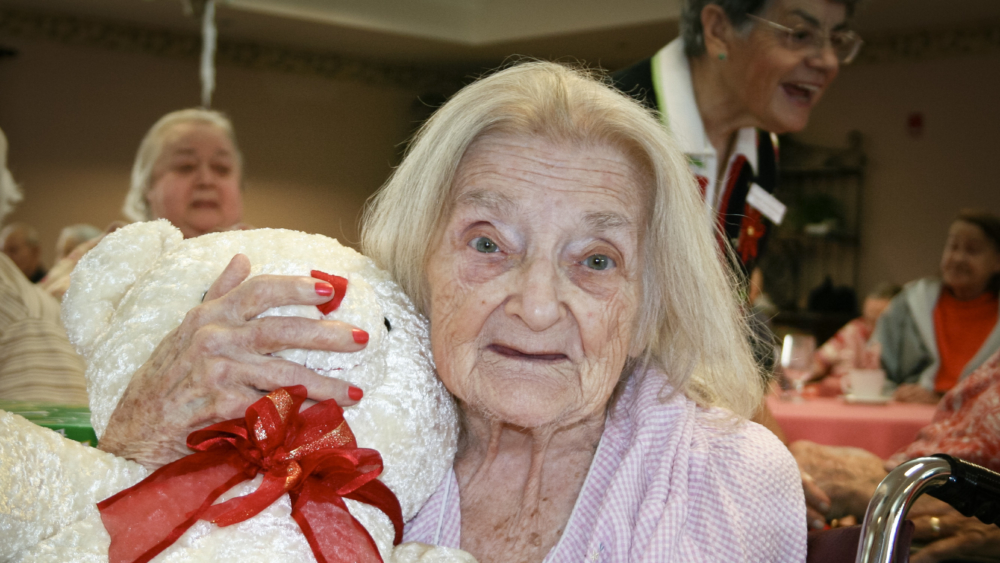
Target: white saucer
[[859, 400]]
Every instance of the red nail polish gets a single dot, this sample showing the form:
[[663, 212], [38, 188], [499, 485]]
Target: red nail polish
[[355, 394], [359, 335], [324, 289]]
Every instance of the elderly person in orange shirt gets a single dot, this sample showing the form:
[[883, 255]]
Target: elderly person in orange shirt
[[938, 331]]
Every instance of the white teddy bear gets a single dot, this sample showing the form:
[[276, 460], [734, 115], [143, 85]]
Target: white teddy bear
[[133, 289]]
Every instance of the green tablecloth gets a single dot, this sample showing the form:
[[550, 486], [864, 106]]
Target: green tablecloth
[[71, 422]]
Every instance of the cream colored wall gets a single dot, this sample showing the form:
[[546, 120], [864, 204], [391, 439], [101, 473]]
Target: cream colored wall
[[315, 149], [915, 186]]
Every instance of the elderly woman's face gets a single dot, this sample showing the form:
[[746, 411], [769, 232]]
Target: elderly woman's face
[[780, 86], [535, 279], [196, 180], [969, 259]]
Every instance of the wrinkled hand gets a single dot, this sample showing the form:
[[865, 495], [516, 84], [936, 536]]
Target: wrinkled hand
[[817, 502], [847, 476], [218, 362], [956, 536], [915, 393]]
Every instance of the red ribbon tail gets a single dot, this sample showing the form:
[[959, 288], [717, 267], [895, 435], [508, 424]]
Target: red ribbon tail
[[332, 532], [236, 510], [378, 495], [170, 500]]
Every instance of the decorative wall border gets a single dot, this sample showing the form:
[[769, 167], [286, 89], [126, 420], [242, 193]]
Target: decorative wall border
[[931, 44], [131, 38], [126, 37]]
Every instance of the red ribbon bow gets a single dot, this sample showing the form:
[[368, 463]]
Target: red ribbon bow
[[311, 455]]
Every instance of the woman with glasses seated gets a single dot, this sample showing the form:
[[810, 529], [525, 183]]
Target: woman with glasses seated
[[742, 71]]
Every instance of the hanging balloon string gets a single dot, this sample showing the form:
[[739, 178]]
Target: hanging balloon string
[[208, 38]]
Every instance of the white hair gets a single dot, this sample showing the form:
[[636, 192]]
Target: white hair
[[10, 192], [74, 235], [136, 206], [690, 325]]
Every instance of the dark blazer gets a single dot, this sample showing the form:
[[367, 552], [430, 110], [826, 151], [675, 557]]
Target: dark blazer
[[742, 225]]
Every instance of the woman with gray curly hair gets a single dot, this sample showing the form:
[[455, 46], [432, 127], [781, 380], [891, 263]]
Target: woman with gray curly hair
[[741, 72], [580, 313]]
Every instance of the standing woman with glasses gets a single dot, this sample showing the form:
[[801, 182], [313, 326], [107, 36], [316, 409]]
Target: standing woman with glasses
[[741, 72]]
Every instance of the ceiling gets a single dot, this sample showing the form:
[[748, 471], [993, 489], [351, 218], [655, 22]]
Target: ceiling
[[460, 33]]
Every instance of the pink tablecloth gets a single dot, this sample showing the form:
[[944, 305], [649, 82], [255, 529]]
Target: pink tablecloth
[[880, 429]]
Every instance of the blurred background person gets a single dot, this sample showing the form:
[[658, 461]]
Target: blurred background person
[[741, 71], [21, 244], [939, 330], [75, 235], [841, 352], [37, 362], [189, 171]]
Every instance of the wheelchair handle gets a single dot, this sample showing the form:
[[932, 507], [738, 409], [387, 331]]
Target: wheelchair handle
[[890, 503], [971, 489]]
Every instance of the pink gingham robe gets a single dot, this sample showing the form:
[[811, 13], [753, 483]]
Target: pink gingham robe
[[667, 484]]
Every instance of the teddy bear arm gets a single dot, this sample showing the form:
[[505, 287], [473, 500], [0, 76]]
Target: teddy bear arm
[[48, 482]]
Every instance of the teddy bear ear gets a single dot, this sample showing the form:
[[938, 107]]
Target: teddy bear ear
[[106, 273]]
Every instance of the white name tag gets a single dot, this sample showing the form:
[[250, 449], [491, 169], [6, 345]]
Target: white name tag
[[766, 203]]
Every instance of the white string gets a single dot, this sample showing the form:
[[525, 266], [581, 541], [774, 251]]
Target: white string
[[208, 36]]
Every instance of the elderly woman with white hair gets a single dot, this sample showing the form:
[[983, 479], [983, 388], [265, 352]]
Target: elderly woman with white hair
[[189, 171], [580, 313]]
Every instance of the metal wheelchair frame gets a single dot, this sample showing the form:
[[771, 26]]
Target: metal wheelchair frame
[[969, 488]]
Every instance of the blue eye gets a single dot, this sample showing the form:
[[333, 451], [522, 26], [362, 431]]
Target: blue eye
[[483, 244], [598, 262]]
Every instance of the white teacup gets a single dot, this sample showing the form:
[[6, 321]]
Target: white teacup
[[864, 383]]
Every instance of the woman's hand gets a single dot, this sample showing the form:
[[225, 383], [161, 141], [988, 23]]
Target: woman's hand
[[915, 393], [817, 503], [952, 536], [847, 476], [218, 362]]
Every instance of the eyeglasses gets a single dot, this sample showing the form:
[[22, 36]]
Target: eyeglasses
[[845, 43]]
